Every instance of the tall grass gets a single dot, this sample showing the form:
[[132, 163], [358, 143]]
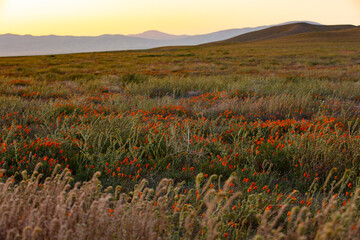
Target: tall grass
[[58, 208]]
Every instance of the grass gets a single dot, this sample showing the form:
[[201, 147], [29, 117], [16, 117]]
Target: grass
[[281, 122]]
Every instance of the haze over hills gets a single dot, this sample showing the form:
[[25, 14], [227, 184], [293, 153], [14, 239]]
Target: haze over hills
[[15, 45], [23, 45]]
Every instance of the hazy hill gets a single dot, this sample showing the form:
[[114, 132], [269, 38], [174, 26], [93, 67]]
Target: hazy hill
[[283, 31], [156, 35]]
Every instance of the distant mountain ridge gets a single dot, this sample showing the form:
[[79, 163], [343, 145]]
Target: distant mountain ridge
[[15, 45], [23, 45]]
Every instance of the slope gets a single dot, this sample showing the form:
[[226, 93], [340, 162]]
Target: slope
[[283, 31]]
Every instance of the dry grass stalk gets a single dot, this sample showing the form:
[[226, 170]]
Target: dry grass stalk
[[55, 210]]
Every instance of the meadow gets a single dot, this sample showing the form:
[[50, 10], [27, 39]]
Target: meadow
[[235, 141]]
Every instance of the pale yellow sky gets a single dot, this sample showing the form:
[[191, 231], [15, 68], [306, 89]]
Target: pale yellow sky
[[96, 17]]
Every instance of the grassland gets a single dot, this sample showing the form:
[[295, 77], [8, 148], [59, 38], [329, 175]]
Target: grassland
[[279, 119]]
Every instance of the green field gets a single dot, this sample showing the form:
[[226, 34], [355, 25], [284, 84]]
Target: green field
[[236, 141]]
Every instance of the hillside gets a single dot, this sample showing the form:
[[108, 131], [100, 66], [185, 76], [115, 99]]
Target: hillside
[[347, 35], [284, 31]]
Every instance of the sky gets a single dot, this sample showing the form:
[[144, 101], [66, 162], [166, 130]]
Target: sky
[[96, 17]]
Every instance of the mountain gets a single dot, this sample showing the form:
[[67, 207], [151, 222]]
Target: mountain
[[156, 35], [23, 45], [283, 31], [17, 45]]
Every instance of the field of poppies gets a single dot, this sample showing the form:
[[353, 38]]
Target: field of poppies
[[234, 142]]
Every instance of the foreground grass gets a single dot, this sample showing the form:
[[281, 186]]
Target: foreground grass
[[282, 124], [53, 209]]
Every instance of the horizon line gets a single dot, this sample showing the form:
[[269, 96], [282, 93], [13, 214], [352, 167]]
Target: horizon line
[[188, 35]]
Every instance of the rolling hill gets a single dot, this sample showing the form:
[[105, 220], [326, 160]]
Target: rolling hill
[[284, 31], [347, 35]]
